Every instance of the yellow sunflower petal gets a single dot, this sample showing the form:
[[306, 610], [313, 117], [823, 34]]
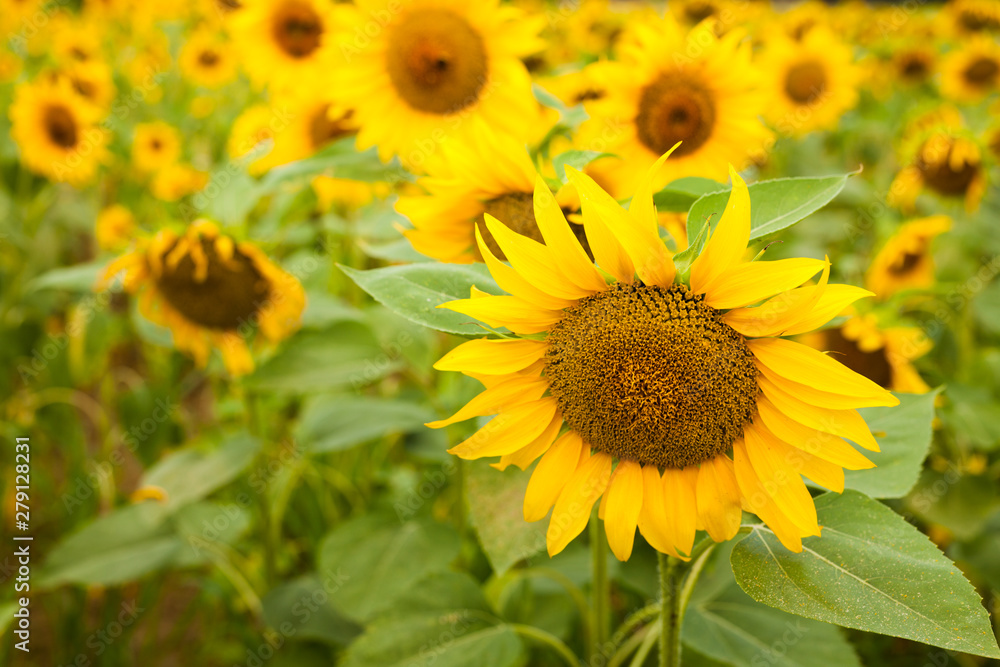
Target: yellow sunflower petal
[[755, 281], [787, 315], [506, 311], [572, 510], [551, 474], [822, 472], [680, 501], [514, 283], [718, 497], [525, 456], [511, 391], [826, 446], [819, 397], [492, 357], [653, 522], [560, 239], [726, 245], [641, 208], [608, 252], [509, 431], [759, 501], [621, 516], [770, 459]]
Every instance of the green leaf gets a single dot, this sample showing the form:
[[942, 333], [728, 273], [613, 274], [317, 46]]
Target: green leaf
[[333, 423], [576, 159], [774, 205], [399, 250], [382, 558], [679, 195], [961, 503], [340, 159], [191, 474], [303, 608], [870, 570], [203, 523], [345, 355], [415, 290], [496, 508], [904, 434], [79, 278]]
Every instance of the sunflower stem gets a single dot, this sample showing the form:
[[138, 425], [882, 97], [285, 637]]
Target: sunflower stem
[[599, 587], [671, 575]]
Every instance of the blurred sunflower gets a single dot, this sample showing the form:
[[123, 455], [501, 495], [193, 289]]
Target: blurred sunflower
[[313, 124], [913, 64], [207, 60], [155, 146], [93, 81], [115, 227], [883, 355], [10, 66], [812, 81], [434, 64], [281, 42], [658, 95], [661, 376], [971, 72], [74, 40], [210, 291], [972, 17], [905, 261], [176, 180], [253, 134], [577, 87], [56, 131]]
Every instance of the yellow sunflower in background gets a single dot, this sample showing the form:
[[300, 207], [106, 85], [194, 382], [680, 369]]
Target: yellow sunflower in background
[[434, 64], [210, 291], [972, 17], [56, 131], [811, 82], [629, 362], [972, 71], [905, 261], [155, 146], [281, 43], [206, 59], [115, 227], [93, 81], [10, 66], [177, 180], [670, 85], [76, 40], [312, 125], [913, 64], [942, 156], [883, 355], [253, 135], [584, 85]]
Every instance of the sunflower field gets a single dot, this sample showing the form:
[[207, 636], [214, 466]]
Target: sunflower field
[[499, 333]]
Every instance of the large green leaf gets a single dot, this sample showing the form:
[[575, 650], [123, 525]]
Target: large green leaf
[[903, 433], [78, 278], [303, 609], [382, 558], [415, 290], [344, 355], [870, 570], [496, 501], [774, 205], [679, 195], [331, 423]]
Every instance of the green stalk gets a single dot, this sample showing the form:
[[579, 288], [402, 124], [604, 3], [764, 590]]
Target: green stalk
[[671, 575], [600, 589]]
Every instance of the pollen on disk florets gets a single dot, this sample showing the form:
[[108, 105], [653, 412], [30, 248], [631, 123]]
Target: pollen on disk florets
[[651, 374]]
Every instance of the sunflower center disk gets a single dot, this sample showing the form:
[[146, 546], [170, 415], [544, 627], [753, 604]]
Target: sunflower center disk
[[674, 108], [208, 58], [805, 82], [436, 61], [652, 375], [983, 72], [516, 210], [915, 67], [61, 127], [873, 365], [297, 29], [939, 175], [229, 297]]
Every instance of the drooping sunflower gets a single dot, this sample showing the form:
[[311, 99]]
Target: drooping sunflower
[[812, 81], [281, 43], [57, 131], [666, 394], [905, 261], [942, 156], [210, 291], [433, 64], [155, 145], [884, 355], [972, 71], [670, 85], [207, 60]]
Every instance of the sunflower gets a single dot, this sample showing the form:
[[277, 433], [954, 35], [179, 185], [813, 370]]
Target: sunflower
[[913, 64], [671, 86], [313, 124], [10, 66], [207, 60], [699, 399], [177, 180], [811, 82], [210, 291], [941, 156], [971, 72], [905, 261], [483, 173], [115, 227], [883, 355], [434, 64], [56, 130], [252, 135], [93, 81], [155, 146], [281, 42], [973, 17], [76, 41]]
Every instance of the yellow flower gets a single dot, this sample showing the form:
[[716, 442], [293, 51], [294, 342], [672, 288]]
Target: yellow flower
[[312, 125], [253, 135], [914, 64], [345, 192], [115, 227], [10, 66], [429, 66], [281, 42], [972, 17], [156, 145], [666, 374], [56, 131], [93, 81], [207, 60], [76, 40], [972, 71], [905, 261], [176, 180], [811, 82], [211, 291], [670, 86]]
